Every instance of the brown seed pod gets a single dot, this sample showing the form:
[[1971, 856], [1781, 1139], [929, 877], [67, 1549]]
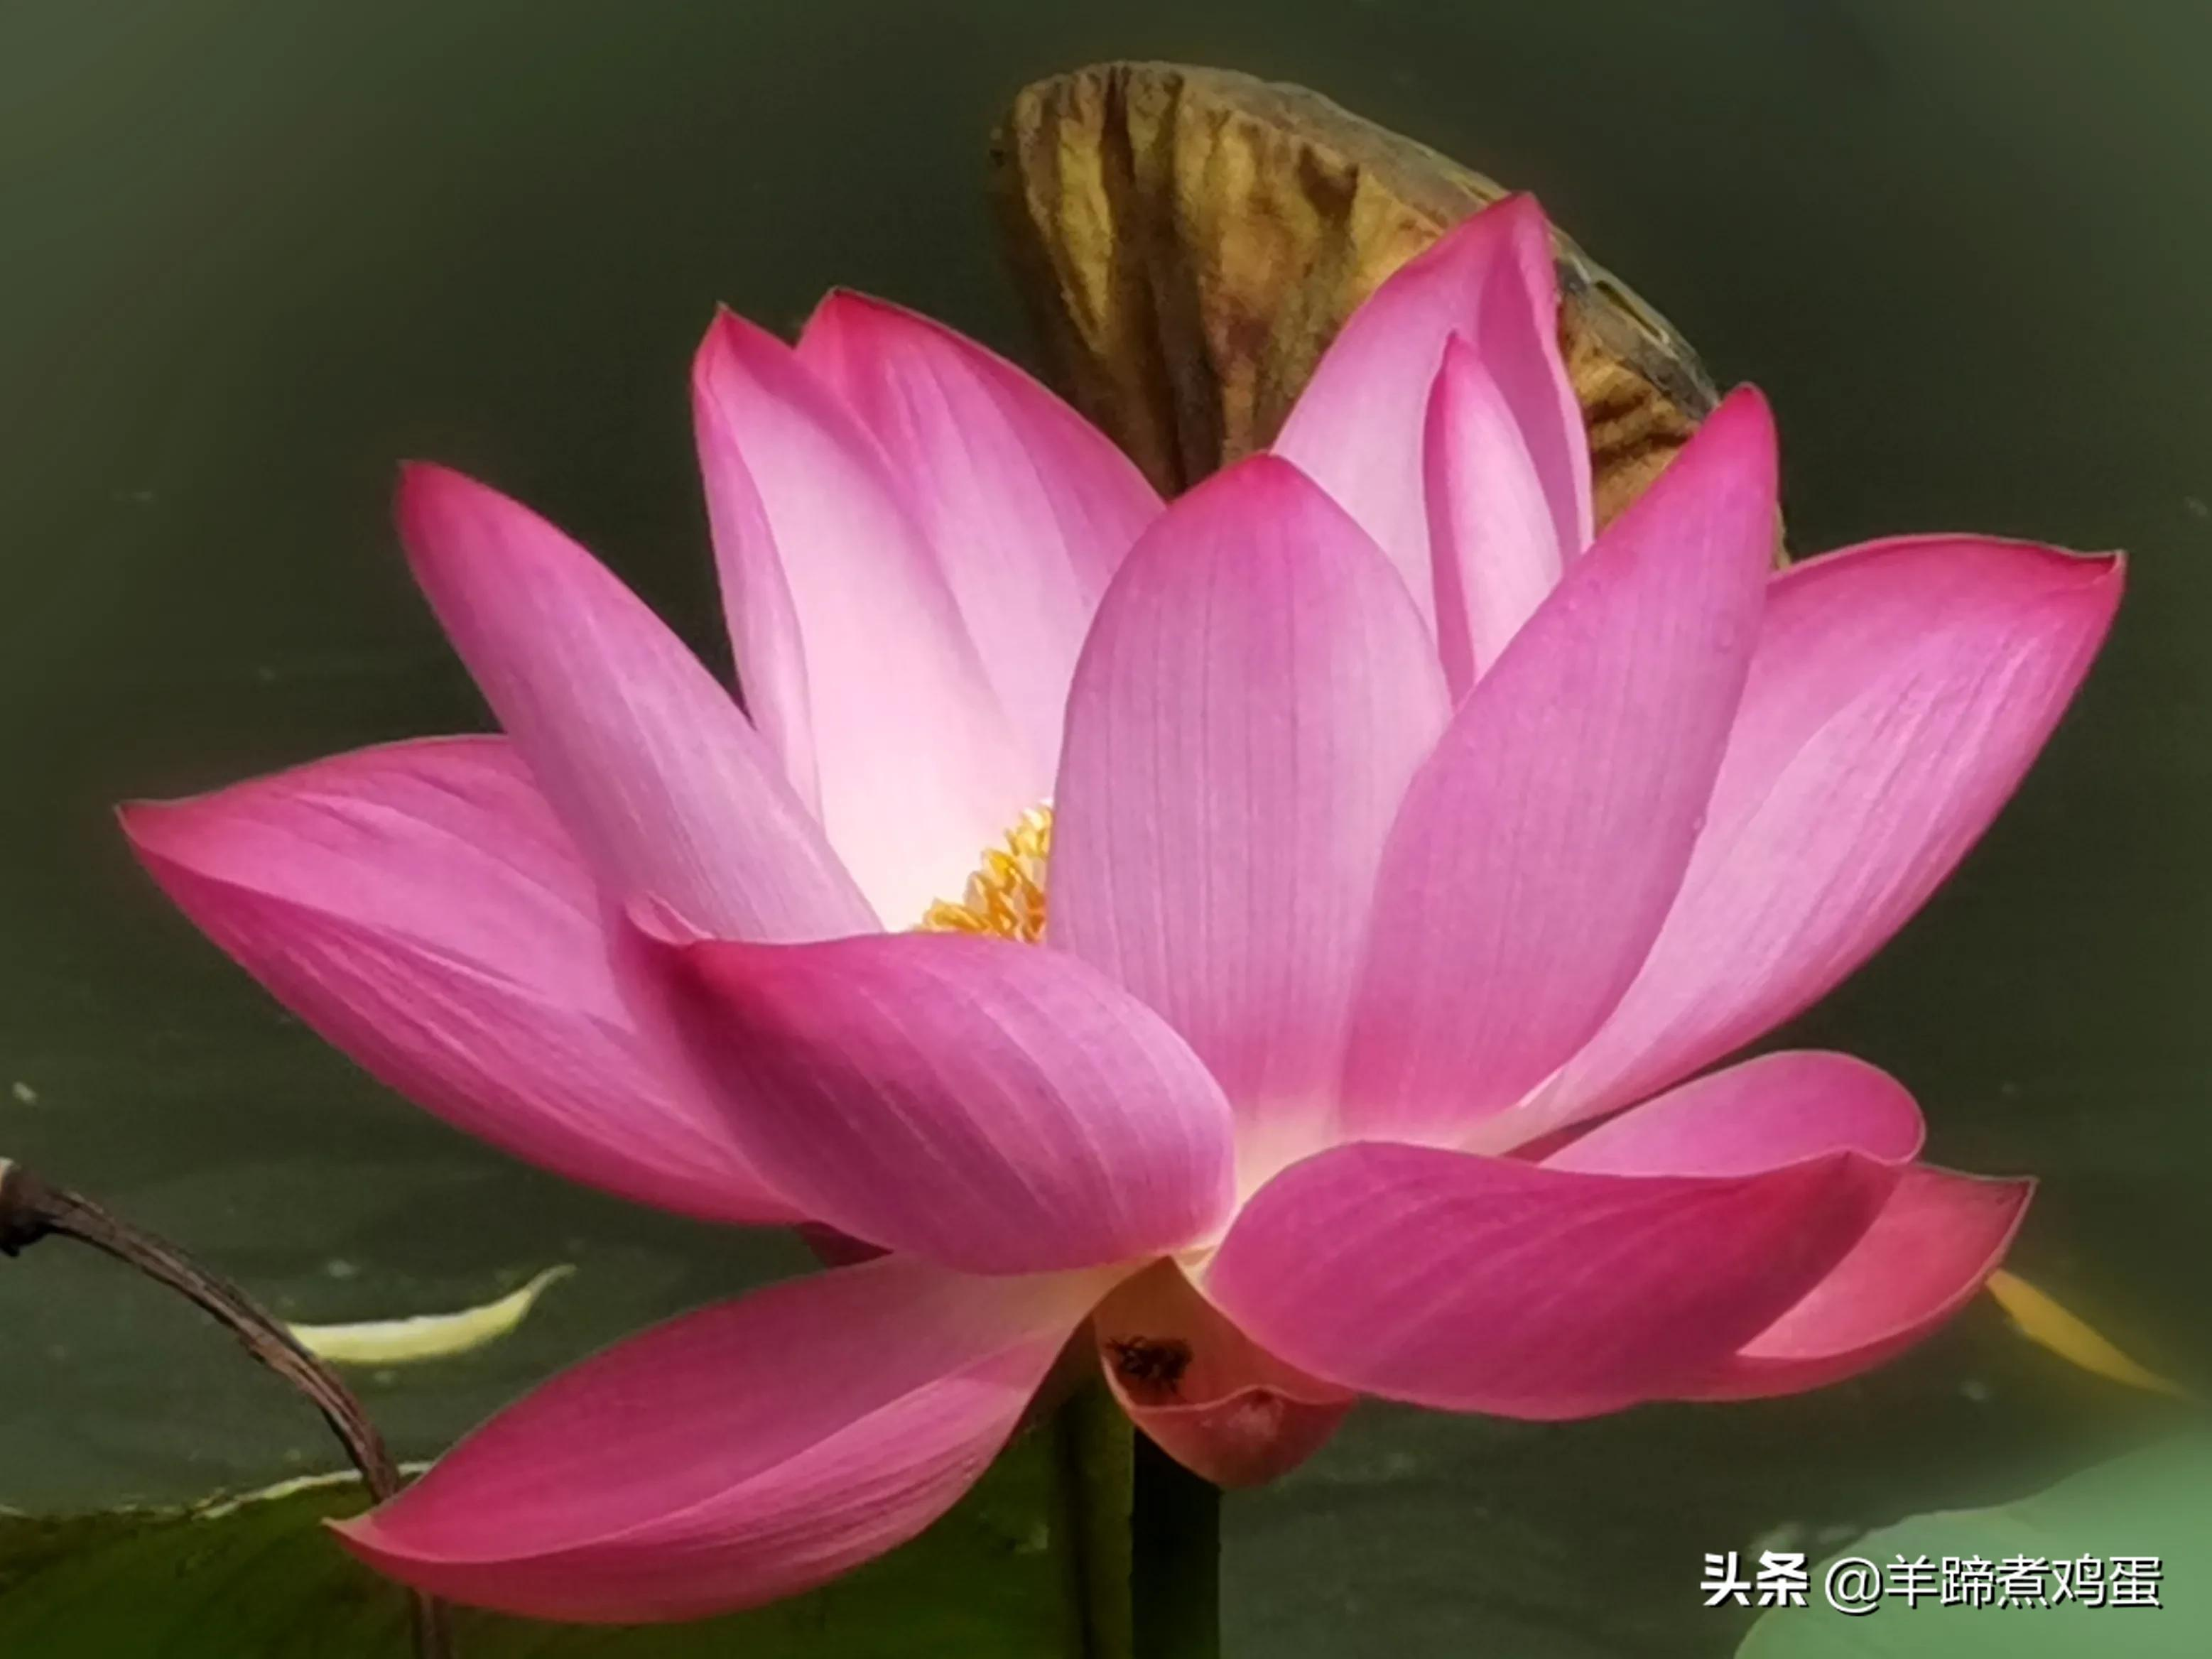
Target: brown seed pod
[[1189, 239]]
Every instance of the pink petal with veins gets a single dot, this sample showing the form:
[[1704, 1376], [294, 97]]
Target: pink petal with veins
[[735, 1455]]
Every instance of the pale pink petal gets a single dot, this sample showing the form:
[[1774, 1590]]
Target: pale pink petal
[[758, 607], [1255, 694], [1208, 1395], [1028, 506], [1899, 692], [1937, 1241], [915, 766], [1477, 1284], [422, 908], [1357, 428], [650, 765], [1759, 1115], [736, 1455], [1538, 849], [1496, 549], [989, 1106]]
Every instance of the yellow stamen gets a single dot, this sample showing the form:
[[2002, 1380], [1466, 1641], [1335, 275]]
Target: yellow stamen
[[1005, 897]]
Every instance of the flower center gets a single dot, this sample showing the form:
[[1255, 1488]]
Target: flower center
[[1005, 897]]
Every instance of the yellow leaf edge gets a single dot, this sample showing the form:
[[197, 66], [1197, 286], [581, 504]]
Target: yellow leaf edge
[[2038, 1316], [422, 1337]]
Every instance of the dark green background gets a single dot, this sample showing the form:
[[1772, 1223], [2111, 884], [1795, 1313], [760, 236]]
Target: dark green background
[[251, 255]]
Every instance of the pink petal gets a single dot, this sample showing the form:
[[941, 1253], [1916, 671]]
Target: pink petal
[[758, 606], [736, 1455], [1496, 549], [1538, 849], [1761, 1115], [422, 908], [1028, 506], [1899, 692], [831, 586], [1478, 1284], [1255, 693], [1357, 428], [1207, 1394], [1940, 1236], [992, 1107], [650, 765]]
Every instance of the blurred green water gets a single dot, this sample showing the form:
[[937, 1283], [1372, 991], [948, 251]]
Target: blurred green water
[[253, 254]]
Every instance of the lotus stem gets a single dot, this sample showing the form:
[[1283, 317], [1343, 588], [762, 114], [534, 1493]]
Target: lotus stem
[[1093, 1477], [1175, 1579], [1141, 1537], [31, 1210]]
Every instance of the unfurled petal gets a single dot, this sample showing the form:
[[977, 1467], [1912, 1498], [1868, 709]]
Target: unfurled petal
[[1357, 428], [1255, 694], [758, 609], [915, 767], [647, 761], [1538, 849], [1899, 692], [1490, 1285], [1028, 506], [735, 1455], [422, 908], [1211, 1398], [1761, 1115], [1496, 548], [1938, 1238], [989, 1106]]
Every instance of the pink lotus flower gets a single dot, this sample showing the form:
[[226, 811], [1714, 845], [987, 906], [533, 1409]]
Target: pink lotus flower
[[1400, 832]]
